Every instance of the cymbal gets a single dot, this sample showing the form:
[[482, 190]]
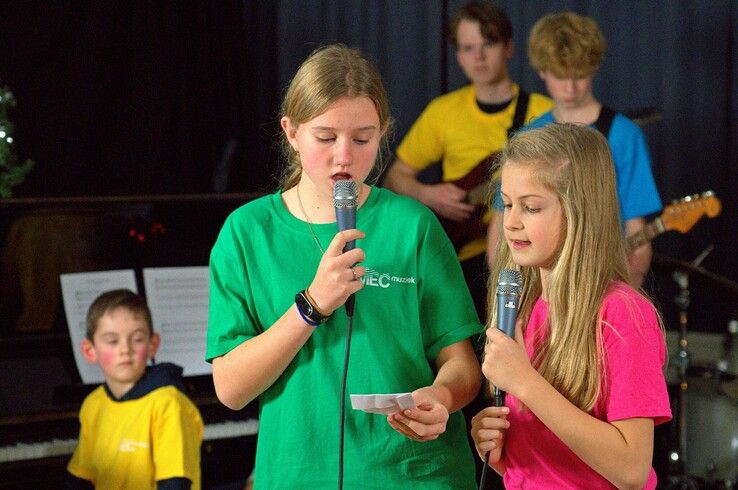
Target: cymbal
[[670, 264]]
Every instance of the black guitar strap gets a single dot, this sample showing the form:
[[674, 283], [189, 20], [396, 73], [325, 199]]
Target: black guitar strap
[[604, 120], [521, 107]]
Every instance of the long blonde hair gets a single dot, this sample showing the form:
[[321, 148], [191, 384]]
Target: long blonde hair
[[329, 73], [574, 162]]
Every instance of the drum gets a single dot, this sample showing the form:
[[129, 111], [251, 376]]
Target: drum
[[711, 409], [710, 405]]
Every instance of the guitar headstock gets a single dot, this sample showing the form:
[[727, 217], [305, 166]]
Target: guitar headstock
[[684, 213]]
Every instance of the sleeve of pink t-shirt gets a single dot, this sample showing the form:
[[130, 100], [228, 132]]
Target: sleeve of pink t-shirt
[[635, 385]]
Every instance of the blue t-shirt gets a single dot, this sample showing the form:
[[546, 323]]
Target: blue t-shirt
[[636, 186]]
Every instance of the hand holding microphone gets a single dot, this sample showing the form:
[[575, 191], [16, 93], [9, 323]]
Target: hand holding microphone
[[488, 426], [338, 275]]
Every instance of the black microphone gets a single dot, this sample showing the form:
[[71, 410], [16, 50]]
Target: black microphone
[[509, 286], [345, 200]]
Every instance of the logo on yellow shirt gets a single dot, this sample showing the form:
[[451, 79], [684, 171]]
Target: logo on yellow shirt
[[129, 446]]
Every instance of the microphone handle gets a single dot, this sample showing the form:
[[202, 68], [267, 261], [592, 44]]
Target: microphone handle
[[499, 397], [507, 312], [350, 305], [346, 220]]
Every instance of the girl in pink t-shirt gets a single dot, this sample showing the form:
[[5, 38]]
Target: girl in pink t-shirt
[[584, 373]]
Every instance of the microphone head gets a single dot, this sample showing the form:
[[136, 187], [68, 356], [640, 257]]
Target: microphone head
[[345, 194], [509, 281]]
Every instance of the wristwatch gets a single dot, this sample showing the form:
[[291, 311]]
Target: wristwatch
[[308, 311]]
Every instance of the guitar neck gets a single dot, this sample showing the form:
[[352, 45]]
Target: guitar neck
[[648, 233]]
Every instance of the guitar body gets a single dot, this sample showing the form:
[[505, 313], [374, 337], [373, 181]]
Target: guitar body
[[476, 184]]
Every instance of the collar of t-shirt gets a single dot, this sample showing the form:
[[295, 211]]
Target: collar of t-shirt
[[492, 108]]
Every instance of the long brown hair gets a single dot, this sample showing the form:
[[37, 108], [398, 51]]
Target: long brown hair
[[574, 162], [329, 73]]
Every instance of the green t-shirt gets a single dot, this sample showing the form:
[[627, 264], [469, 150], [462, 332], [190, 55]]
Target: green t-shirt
[[414, 303]]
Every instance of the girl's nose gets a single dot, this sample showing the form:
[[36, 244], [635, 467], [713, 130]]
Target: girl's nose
[[344, 153], [511, 218]]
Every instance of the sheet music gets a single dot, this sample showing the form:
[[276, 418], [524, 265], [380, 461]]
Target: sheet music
[[79, 290], [178, 298]]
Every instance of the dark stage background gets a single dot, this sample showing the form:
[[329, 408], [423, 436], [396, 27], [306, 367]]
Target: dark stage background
[[182, 97]]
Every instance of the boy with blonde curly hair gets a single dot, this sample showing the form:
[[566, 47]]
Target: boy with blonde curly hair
[[567, 49]]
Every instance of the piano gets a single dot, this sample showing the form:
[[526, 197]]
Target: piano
[[40, 387]]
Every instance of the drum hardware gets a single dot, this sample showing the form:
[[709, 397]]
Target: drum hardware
[[708, 392], [682, 480]]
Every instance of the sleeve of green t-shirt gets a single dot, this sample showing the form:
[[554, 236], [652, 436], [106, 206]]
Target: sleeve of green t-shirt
[[230, 311], [447, 311]]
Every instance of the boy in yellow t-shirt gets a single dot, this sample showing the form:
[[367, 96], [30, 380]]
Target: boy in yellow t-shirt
[[464, 129], [138, 429]]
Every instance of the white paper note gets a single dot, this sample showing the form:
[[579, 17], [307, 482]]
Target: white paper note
[[178, 298], [79, 290], [383, 403]]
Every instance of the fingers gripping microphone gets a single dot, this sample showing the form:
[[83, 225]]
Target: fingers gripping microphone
[[509, 286], [345, 200]]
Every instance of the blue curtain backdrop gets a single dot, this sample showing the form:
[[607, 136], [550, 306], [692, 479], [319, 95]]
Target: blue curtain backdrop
[[117, 98], [676, 56]]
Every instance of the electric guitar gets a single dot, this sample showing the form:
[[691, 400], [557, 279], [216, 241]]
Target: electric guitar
[[681, 216], [476, 183]]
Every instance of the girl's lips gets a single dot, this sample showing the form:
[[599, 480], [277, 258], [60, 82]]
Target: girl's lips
[[341, 176], [518, 244]]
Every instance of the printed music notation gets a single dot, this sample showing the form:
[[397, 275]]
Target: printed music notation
[[79, 290], [177, 297]]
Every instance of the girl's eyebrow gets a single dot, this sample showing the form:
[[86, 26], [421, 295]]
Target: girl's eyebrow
[[525, 196], [328, 128]]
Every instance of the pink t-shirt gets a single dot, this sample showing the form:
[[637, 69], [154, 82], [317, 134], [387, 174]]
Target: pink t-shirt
[[535, 457]]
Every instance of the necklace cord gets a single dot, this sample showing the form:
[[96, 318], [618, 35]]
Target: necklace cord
[[307, 220]]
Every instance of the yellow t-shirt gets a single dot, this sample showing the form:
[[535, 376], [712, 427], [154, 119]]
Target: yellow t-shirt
[[453, 130], [135, 443]]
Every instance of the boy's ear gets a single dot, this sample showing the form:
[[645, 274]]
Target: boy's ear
[[154, 344], [88, 351], [509, 50]]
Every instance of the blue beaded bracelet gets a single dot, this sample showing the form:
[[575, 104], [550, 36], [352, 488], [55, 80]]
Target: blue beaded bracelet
[[306, 319]]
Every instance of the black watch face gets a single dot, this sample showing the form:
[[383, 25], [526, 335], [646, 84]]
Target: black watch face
[[306, 307]]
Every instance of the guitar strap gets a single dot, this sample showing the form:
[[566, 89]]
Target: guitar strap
[[521, 107], [604, 120]]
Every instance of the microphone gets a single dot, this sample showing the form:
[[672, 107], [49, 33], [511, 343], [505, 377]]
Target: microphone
[[509, 286], [345, 200]]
